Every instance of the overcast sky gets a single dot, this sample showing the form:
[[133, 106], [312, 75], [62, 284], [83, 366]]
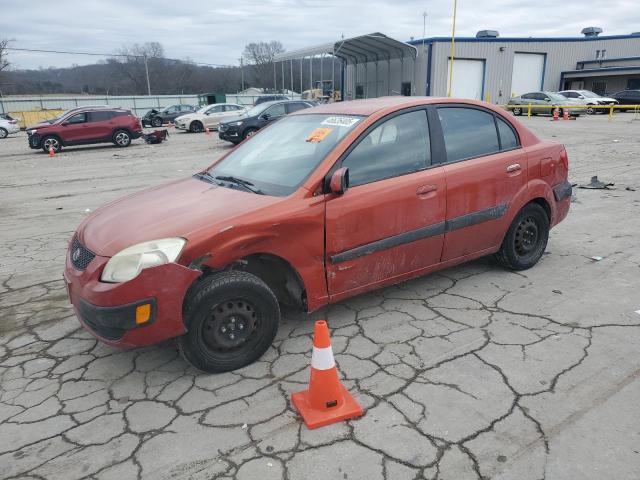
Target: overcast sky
[[216, 31]]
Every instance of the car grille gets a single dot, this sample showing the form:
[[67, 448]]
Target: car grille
[[80, 255]]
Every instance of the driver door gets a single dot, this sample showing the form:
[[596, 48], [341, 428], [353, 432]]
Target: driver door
[[271, 114], [214, 116], [76, 128], [390, 221]]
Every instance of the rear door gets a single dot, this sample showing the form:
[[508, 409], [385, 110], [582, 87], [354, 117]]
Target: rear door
[[390, 220], [484, 167], [100, 124]]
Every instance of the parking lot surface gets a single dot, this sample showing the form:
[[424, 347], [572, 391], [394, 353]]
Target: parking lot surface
[[474, 372]]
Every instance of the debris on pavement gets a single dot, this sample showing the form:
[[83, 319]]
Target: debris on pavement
[[596, 258], [631, 189], [596, 184]]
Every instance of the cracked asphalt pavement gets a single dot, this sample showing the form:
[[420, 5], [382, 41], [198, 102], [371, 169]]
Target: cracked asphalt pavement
[[473, 372]]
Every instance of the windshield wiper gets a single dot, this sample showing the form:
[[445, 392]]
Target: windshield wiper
[[206, 176], [239, 181]]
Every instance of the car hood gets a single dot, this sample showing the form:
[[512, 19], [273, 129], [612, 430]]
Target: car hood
[[605, 99], [188, 116], [235, 118], [39, 125], [178, 209]]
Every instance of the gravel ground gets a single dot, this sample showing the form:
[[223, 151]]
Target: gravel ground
[[474, 372]]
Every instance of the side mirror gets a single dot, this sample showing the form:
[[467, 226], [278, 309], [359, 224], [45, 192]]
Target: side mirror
[[547, 99], [581, 96], [339, 181], [266, 116]]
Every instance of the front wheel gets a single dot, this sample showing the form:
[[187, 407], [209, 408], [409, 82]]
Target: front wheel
[[526, 239], [517, 111], [51, 142], [122, 138], [231, 319], [156, 122], [3, 133], [196, 127], [249, 132], [590, 110]]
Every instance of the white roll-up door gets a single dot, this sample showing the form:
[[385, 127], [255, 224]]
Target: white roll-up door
[[528, 69], [468, 78]]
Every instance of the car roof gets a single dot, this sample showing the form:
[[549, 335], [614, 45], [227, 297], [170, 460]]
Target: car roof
[[369, 106]]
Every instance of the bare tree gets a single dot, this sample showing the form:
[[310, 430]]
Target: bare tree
[[260, 56], [131, 63], [4, 62]]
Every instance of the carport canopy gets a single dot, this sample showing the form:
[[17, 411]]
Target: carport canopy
[[372, 47]]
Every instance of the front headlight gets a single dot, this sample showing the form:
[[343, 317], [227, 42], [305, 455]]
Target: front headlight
[[31, 132], [235, 124], [128, 263]]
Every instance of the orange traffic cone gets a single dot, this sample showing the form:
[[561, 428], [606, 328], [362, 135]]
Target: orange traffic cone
[[207, 131], [326, 401], [565, 114], [555, 113], [52, 152]]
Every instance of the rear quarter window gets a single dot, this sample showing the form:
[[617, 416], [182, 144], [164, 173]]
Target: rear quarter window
[[508, 139]]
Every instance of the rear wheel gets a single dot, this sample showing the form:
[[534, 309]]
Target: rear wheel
[[517, 111], [196, 127], [156, 122], [231, 318], [526, 239], [3, 133], [50, 142], [122, 138]]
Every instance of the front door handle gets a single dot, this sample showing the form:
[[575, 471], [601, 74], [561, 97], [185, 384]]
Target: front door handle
[[514, 168], [425, 190]]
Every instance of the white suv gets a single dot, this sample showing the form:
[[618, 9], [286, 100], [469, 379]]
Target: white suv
[[209, 117], [8, 125]]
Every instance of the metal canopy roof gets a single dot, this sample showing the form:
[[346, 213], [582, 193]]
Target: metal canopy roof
[[365, 48], [372, 48]]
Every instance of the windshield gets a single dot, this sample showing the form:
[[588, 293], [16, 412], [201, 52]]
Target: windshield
[[281, 157], [258, 109], [589, 94], [556, 96]]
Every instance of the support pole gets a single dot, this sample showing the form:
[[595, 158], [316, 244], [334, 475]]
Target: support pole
[[301, 60], [453, 48], [275, 85]]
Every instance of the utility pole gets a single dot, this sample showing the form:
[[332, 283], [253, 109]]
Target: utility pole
[[242, 74], [424, 27], [146, 69]]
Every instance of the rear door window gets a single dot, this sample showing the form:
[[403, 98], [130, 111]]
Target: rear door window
[[396, 147], [468, 132], [276, 110], [100, 116]]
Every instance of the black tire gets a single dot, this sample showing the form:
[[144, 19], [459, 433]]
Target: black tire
[[196, 127], [249, 133], [231, 318], [526, 239], [53, 141], [3, 133], [590, 110], [156, 122], [517, 111], [121, 138]]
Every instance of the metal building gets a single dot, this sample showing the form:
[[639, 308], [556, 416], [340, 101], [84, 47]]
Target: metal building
[[485, 67]]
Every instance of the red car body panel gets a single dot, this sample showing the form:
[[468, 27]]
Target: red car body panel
[[222, 225]]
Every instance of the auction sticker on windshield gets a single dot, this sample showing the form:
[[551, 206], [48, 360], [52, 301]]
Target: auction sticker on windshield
[[319, 134], [340, 121]]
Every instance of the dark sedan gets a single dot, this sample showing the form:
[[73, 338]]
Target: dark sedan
[[627, 97], [156, 117], [242, 127]]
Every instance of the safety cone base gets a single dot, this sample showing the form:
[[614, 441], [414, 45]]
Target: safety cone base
[[315, 418]]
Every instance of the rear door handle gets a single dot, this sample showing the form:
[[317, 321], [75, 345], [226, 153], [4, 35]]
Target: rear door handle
[[425, 190], [514, 168]]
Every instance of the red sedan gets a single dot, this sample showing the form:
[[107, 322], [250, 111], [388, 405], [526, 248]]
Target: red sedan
[[324, 204]]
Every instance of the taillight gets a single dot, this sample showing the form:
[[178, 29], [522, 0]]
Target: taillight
[[564, 158]]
